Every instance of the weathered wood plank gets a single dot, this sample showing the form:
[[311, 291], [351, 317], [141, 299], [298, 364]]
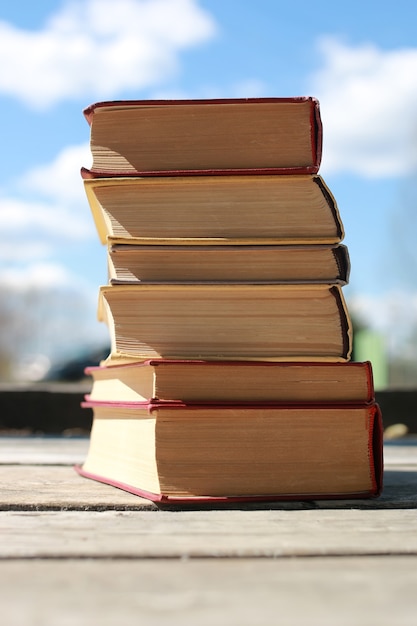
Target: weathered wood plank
[[43, 450], [317, 592], [401, 452], [31, 479], [158, 534], [60, 487]]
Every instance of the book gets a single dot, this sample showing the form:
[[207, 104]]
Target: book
[[131, 137], [236, 382], [178, 453], [276, 209], [227, 321], [142, 262]]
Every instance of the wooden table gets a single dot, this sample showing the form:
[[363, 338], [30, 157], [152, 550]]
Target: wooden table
[[75, 552]]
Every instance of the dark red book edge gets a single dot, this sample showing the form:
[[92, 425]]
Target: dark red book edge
[[316, 138], [375, 449], [89, 174]]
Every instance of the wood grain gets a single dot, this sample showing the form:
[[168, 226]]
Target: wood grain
[[337, 591], [74, 551]]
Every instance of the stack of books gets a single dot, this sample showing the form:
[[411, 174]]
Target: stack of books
[[229, 376]]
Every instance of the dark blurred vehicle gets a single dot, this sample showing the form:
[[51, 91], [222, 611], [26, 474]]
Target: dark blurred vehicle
[[73, 369]]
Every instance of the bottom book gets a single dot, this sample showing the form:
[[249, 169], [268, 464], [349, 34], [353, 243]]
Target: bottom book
[[179, 454]]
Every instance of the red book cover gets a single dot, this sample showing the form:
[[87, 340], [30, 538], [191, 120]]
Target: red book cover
[[203, 130]]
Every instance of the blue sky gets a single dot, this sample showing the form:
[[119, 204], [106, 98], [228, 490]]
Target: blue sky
[[56, 57]]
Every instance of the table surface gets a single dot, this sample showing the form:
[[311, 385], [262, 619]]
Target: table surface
[[74, 551]]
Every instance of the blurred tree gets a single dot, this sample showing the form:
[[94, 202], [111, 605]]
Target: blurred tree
[[45, 325], [17, 326], [358, 325]]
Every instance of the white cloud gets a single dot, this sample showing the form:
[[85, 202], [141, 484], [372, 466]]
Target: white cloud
[[44, 218], [37, 276], [48, 310], [368, 100], [61, 179], [49, 201], [99, 47], [21, 218], [12, 251]]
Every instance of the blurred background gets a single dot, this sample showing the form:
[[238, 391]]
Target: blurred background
[[58, 56]]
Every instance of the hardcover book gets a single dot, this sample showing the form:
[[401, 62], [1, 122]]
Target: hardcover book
[[208, 382], [261, 209], [242, 135], [227, 321], [143, 262], [172, 452]]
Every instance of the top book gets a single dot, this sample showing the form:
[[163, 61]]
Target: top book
[[177, 137]]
